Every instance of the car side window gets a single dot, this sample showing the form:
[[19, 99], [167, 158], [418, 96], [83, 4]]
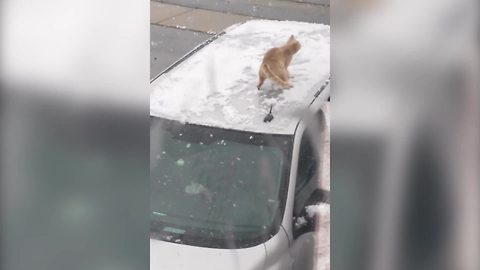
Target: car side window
[[307, 161], [306, 184]]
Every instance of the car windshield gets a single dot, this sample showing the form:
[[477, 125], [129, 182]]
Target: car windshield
[[214, 187]]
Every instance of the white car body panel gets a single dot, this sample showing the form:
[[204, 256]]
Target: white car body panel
[[171, 256], [278, 252]]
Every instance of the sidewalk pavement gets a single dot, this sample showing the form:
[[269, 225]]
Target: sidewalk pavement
[[201, 20], [307, 11], [212, 16]]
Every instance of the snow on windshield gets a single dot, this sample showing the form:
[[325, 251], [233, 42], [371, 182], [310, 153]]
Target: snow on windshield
[[217, 85]]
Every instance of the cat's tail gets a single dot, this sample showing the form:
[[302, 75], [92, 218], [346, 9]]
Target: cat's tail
[[275, 77]]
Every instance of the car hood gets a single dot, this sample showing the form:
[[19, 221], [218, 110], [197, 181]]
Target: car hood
[[171, 256]]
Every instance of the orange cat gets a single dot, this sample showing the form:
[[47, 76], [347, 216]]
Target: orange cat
[[276, 61]]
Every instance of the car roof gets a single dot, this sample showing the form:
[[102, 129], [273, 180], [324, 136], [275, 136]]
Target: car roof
[[216, 85]]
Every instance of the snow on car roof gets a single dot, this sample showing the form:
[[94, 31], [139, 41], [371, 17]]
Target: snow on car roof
[[217, 86]]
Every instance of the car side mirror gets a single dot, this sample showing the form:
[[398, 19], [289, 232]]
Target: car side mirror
[[319, 196], [317, 206]]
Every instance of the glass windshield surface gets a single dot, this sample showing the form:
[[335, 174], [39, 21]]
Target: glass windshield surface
[[216, 188]]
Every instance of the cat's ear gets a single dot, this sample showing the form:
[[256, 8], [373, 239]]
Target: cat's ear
[[292, 37]]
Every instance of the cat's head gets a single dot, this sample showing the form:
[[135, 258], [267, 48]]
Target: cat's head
[[294, 44]]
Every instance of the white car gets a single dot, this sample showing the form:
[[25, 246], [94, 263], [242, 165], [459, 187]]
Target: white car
[[233, 169]]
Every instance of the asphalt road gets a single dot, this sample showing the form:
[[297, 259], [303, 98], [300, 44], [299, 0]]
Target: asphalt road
[[169, 44]]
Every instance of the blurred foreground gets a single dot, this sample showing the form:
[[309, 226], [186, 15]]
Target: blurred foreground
[[74, 135], [405, 151]]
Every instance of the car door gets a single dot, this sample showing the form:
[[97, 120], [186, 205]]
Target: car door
[[307, 192]]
